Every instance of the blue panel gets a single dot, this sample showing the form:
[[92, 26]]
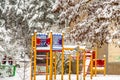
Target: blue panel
[[57, 41]]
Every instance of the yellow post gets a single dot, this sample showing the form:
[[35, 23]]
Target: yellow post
[[51, 57], [47, 66], [84, 61], [70, 66], [35, 54], [91, 66], [104, 65], [31, 55], [55, 66], [62, 57], [96, 61], [77, 65]]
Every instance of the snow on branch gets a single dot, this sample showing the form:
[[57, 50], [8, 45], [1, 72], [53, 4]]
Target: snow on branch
[[95, 26]]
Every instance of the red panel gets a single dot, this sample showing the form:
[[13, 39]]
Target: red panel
[[38, 41], [48, 41], [88, 52], [100, 63], [93, 54]]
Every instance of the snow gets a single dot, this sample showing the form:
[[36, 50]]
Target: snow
[[104, 11], [34, 17], [46, 25], [19, 11], [31, 6], [73, 46], [116, 32], [86, 65], [65, 46], [99, 68], [73, 77], [42, 3], [118, 42], [43, 48], [1, 49], [51, 16]]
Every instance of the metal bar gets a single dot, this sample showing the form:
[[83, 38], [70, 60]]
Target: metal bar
[[46, 66], [70, 66], [35, 55], [96, 60], [84, 60], [55, 66], [51, 57], [91, 66], [62, 57], [104, 65], [72, 48], [77, 66]]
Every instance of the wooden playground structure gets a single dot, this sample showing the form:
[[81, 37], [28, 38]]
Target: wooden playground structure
[[45, 47]]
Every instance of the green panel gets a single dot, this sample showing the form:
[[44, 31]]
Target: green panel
[[9, 69]]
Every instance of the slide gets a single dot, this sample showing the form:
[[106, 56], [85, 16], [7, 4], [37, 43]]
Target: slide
[[87, 63]]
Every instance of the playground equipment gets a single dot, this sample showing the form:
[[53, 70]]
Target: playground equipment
[[7, 70], [45, 43], [98, 64], [83, 61], [45, 47]]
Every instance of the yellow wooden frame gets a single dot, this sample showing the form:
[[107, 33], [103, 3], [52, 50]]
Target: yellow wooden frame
[[51, 60], [70, 59]]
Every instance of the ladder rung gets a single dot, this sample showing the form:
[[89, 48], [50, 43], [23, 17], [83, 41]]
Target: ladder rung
[[41, 64], [41, 73], [42, 55]]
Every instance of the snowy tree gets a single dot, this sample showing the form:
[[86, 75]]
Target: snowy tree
[[21, 17], [14, 31], [12, 19], [39, 14], [94, 21], [18, 18]]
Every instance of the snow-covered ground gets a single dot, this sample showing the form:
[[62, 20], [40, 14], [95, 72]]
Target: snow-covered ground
[[73, 77]]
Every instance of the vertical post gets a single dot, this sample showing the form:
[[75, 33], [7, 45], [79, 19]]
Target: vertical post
[[55, 66], [47, 66], [62, 56], [91, 66], [77, 65], [70, 66], [104, 65], [51, 56], [95, 60], [31, 75], [84, 63], [35, 32]]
